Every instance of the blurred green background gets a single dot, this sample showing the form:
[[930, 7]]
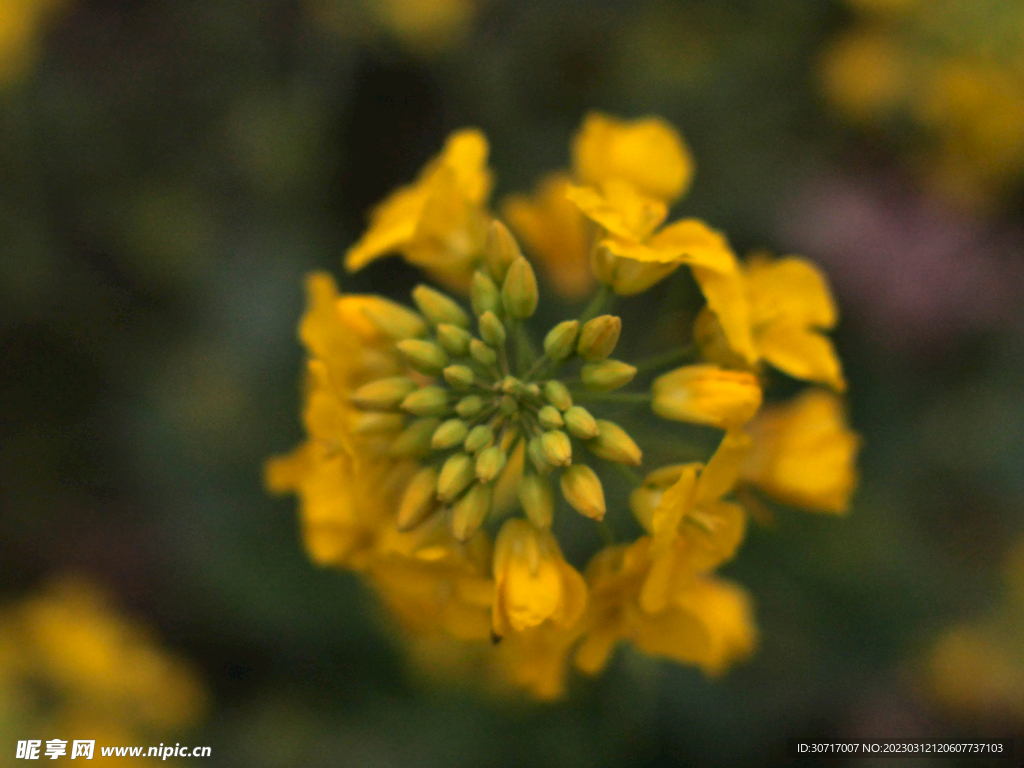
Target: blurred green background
[[169, 171]]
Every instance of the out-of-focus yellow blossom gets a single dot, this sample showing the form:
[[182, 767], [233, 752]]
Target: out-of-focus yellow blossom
[[953, 69], [803, 453], [105, 676], [21, 27], [648, 153], [439, 222], [705, 621], [426, 25], [707, 394], [533, 583], [555, 232], [431, 430], [787, 305]]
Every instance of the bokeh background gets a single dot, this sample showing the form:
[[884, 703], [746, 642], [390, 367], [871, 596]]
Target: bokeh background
[[169, 171]]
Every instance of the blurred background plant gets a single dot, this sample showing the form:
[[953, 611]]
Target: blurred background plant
[[169, 171]]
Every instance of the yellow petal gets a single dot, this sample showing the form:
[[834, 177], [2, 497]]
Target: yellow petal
[[706, 394], [689, 241], [620, 209], [724, 610], [649, 153], [675, 503], [723, 469], [790, 289], [802, 353], [726, 297], [393, 224]]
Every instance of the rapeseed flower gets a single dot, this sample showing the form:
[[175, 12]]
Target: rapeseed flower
[[436, 430]]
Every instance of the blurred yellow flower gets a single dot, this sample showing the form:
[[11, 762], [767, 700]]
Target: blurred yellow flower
[[803, 453], [439, 222], [21, 23], [707, 394]]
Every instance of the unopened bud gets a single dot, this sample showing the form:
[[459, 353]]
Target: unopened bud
[[456, 474], [607, 375], [383, 394], [459, 376], [614, 444], [501, 250], [469, 513], [582, 489], [469, 406], [479, 437], [550, 417], [425, 356], [375, 422], [419, 499], [535, 450], [482, 353], [394, 320], [519, 291], [491, 329], [429, 401], [489, 463], [484, 294], [414, 440], [599, 337], [450, 433], [508, 405], [561, 339], [455, 340], [438, 308], [707, 394], [537, 500], [558, 394], [557, 448], [580, 423]]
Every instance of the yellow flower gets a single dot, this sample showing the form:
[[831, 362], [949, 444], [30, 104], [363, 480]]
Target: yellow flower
[[693, 530], [648, 153], [555, 232], [705, 621], [707, 394], [780, 311], [803, 453], [533, 583], [537, 658], [440, 221]]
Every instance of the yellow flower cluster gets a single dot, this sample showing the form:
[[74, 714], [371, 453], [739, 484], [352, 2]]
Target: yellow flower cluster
[[954, 69], [71, 667], [432, 430]]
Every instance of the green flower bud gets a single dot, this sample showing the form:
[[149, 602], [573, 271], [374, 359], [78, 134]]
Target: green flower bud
[[459, 376], [535, 450], [414, 440], [580, 423], [582, 489], [479, 437], [558, 394], [510, 385], [383, 394], [557, 448], [456, 475], [501, 249], [550, 417], [614, 444], [482, 353], [509, 405], [537, 500], [559, 342], [533, 390], [491, 329], [489, 463], [450, 433], [438, 308], [484, 295], [425, 356], [394, 320], [599, 337], [607, 375], [419, 500], [519, 291], [429, 401], [470, 511], [469, 406], [375, 423], [455, 340]]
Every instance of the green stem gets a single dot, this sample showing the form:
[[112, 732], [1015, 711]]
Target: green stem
[[629, 473], [526, 355], [607, 534], [585, 395], [671, 357], [603, 296]]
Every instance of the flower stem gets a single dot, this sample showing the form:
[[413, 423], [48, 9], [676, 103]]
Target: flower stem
[[611, 397], [603, 297], [671, 357]]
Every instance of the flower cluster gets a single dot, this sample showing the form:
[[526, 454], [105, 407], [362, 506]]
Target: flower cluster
[[432, 431], [952, 69]]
